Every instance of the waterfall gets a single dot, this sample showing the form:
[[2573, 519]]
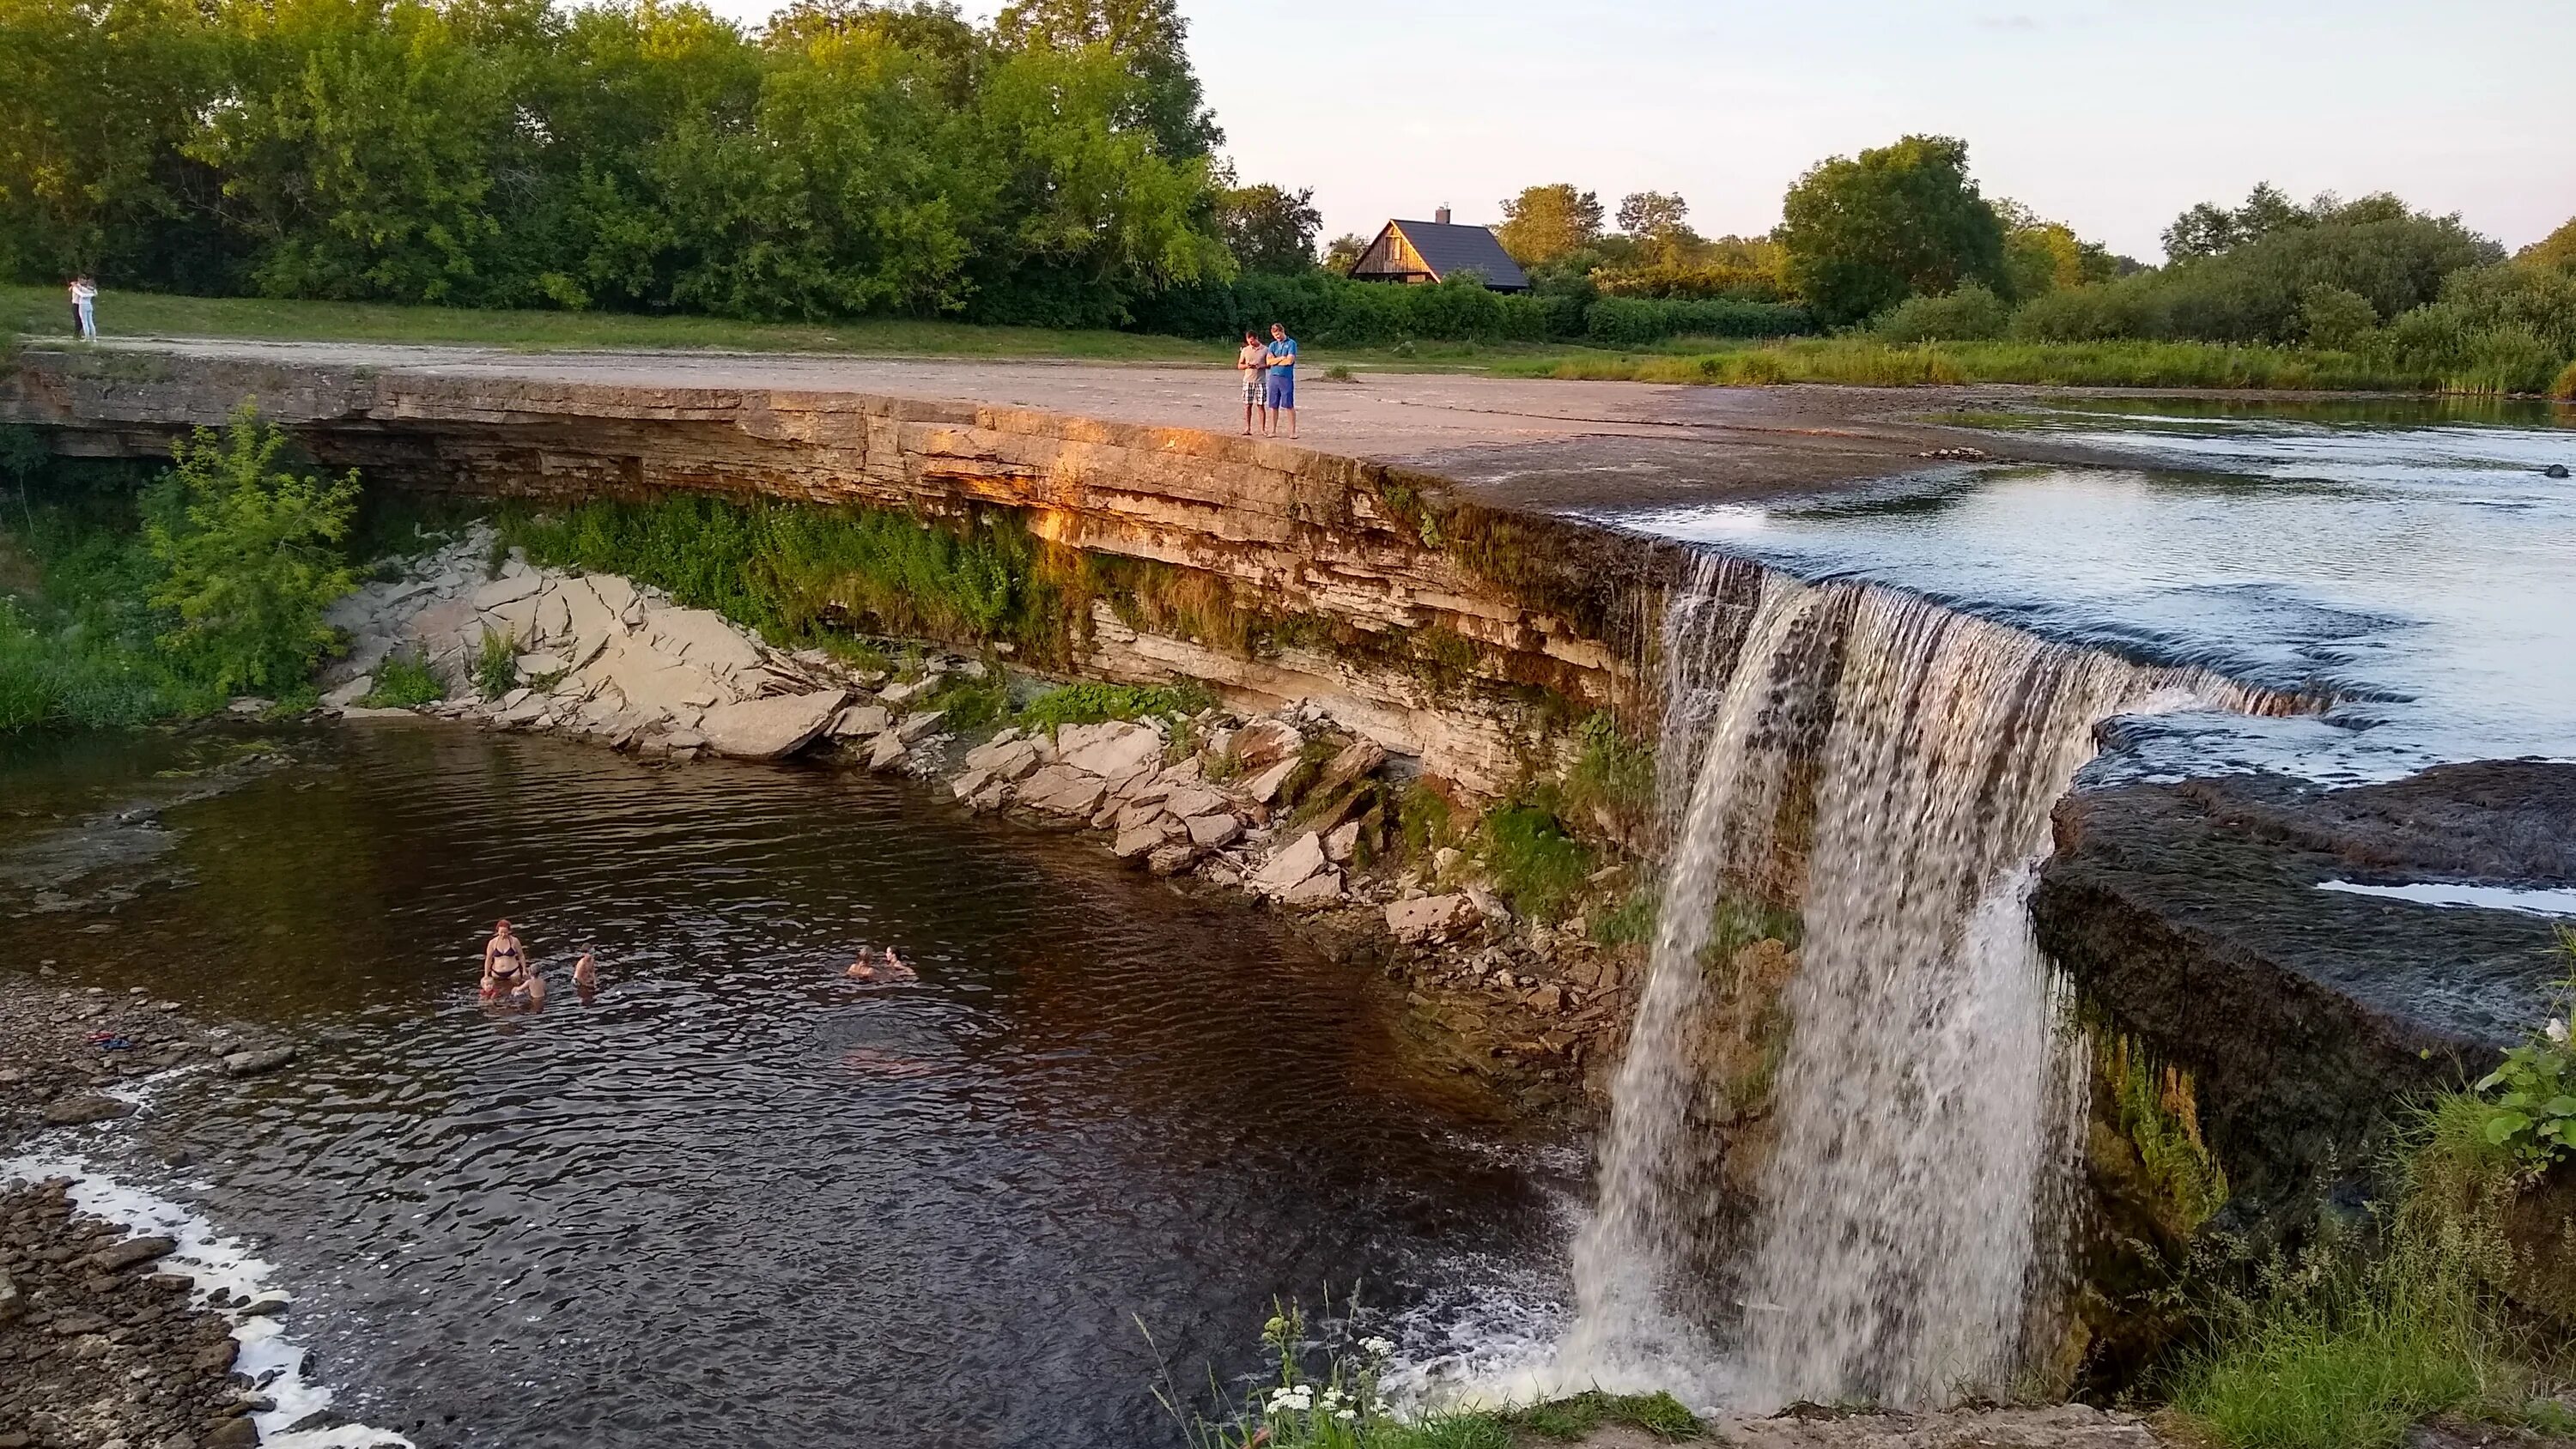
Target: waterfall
[[1886, 767]]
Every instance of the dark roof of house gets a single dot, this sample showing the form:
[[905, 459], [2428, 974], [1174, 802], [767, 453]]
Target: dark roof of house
[[1449, 249]]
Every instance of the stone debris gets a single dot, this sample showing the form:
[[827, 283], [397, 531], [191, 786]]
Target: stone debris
[[1292, 867], [768, 729], [1430, 918]]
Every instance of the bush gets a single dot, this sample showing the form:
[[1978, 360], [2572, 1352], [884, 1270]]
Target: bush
[[2102, 312], [1971, 314], [2564, 388], [496, 665], [248, 557], [1637, 321], [403, 682], [2335, 318]]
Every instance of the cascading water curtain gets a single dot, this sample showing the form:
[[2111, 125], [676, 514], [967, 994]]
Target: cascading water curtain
[[1929, 1106]]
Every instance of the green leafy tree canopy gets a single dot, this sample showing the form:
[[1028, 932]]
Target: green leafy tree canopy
[[1545, 223], [1862, 234], [249, 556], [1270, 228]]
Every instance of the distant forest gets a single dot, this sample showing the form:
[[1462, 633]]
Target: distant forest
[[1057, 167]]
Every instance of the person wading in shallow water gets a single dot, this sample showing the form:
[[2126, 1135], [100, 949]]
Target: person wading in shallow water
[[585, 972], [505, 966]]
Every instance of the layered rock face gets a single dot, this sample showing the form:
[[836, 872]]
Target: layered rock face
[[1518, 610]]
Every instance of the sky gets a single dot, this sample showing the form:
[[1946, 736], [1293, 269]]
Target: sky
[[2110, 117]]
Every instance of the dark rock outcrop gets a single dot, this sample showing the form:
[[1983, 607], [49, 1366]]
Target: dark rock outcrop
[[2191, 915]]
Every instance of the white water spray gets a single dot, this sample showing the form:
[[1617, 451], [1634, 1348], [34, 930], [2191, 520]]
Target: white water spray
[[1928, 1107]]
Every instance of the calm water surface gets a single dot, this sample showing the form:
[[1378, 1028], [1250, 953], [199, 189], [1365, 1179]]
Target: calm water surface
[[2415, 563], [736, 1200]]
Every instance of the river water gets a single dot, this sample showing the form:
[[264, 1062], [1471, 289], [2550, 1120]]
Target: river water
[[736, 1199], [2412, 561]]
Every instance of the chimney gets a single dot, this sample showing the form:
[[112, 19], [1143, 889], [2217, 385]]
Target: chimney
[[1441, 216]]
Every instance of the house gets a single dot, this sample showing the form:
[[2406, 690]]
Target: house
[[1436, 250]]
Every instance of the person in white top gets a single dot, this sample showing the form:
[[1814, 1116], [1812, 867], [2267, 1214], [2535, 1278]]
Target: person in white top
[[1254, 363], [85, 308]]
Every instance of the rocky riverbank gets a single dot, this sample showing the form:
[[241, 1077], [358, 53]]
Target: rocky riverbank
[[99, 1345], [1294, 808]]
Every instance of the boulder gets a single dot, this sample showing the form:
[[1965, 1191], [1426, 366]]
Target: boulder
[[1116, 750], [1213, 831], [1358, 758], [766, 729], [1291, 867], [1430, 918], [82, 1111], [916, 727], [1265, 787], [252, 1063], [896, 696], [864, 720], [702, 638], [968, 785], [1010, 759], [1323, 888], [351, 692], [1189, 802], [886, 752], [1172, 859], [1137, 840], [1264, 741], [1062, 790], [1342, 843]]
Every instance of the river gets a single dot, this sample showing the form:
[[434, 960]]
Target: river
[[736, 1199]]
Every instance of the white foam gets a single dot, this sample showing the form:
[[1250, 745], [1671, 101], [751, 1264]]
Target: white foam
[[214, 1261], [2492, 898]]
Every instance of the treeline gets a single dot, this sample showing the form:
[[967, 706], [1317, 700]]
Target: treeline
[[1049, 168], [2408, 292]]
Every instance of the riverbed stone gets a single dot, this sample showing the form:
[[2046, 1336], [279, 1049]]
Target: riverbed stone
[[82, 1111], [1137, 840], [917, 727], [253, 1062], [768, 729], [886, 751], [1172, 859], [124, 1255], [1323, 888]]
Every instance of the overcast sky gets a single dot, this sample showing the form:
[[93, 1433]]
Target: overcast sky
[[2112, 117]]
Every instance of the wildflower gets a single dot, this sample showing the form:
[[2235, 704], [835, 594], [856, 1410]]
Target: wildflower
[[1376, 1347], [2557, 1031], [1346, 1415], [1381, 1408]]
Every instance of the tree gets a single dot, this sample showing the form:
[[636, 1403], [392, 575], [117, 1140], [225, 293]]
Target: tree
[[1652, 215], [2209, 229], [1345, 251], [2558, 249], [1544, 223], [2045, 256], [249, 556], [1863, 234], [1268, 228], [1149, 37]]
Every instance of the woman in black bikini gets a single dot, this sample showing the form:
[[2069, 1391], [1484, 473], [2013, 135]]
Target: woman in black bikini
[[505, 964]]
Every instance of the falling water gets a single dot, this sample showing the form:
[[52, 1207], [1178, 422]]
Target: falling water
[[1904, 1236]]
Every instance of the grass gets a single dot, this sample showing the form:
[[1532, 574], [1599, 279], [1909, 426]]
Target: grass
[[1867, 362], [2377, 1325], [1095, 703], [1537, 867], [496, 665]]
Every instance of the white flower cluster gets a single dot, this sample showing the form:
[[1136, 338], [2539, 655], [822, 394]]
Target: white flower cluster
[[1377, 1347], [2557, 1030], [1297, 1397]]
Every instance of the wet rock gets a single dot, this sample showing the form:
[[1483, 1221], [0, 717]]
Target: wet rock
[[886, 751], [1062, 790], [1005, 759], [1172, 859], [1430, 918], [252, 1063], [768, 729], [1137, 841], [132, 1251], [917, 727], [1323, 888], [82, 1111], [969, 785]]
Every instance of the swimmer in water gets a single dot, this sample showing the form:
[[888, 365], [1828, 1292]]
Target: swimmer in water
[[505, 964], [893, 968], [862, 969], [585, 972]]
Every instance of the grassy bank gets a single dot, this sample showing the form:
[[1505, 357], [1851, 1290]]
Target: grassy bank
[[1867, 362]]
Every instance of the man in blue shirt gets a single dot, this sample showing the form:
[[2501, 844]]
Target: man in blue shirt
[[1282, 382]]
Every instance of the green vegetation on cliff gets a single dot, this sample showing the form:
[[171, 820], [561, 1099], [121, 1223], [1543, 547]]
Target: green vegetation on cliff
[[125, 599]]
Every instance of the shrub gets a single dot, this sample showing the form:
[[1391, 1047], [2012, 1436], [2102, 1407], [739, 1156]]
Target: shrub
[[1637, 321], [1971, 314], [403, 682], [2564, 388], [2336, 318], [496, 665], [2529, 1100], [247, 555], [2102, 312]]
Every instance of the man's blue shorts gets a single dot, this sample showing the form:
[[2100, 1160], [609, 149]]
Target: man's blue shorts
[[1283, 388]]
